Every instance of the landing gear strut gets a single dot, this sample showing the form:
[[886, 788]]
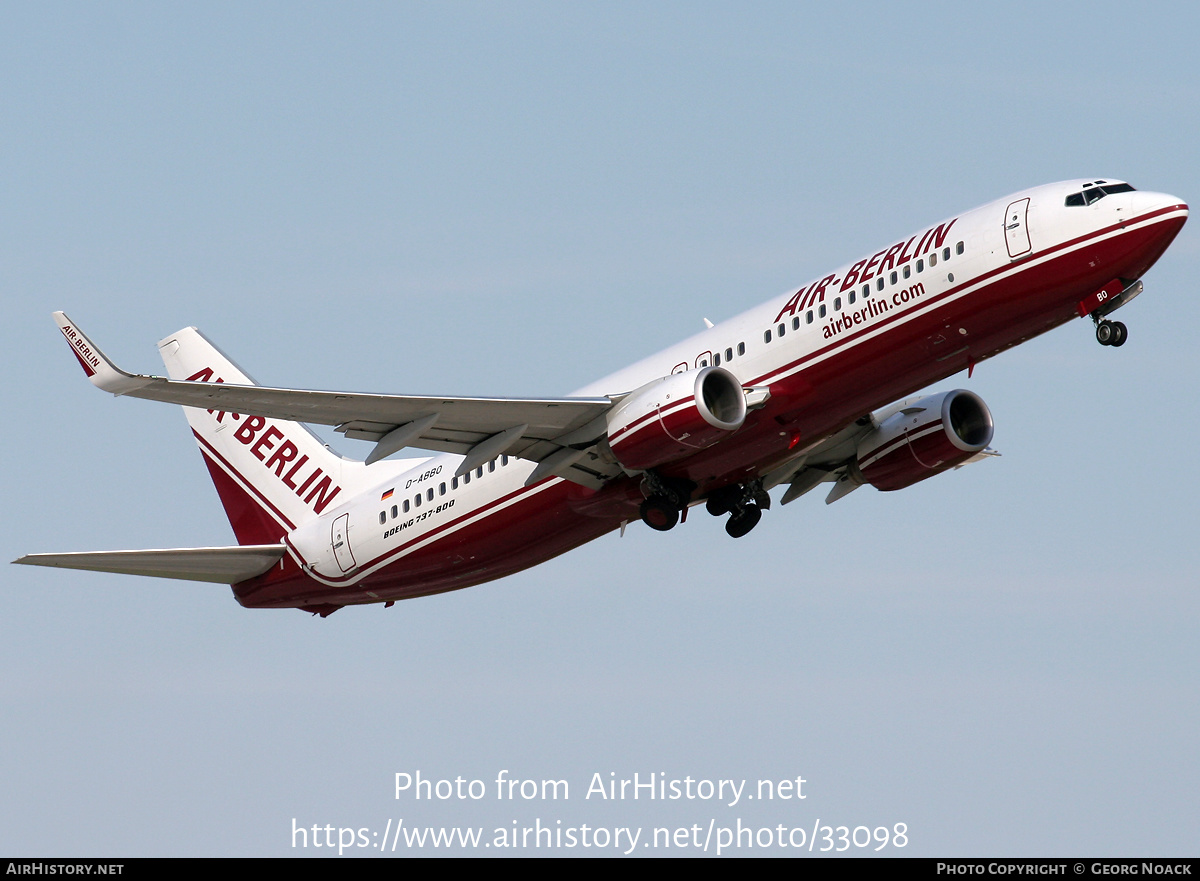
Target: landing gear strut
[[1111, 333], [744, 503]]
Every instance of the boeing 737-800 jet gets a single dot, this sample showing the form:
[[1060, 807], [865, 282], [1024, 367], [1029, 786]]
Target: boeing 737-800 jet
[[795, 392]]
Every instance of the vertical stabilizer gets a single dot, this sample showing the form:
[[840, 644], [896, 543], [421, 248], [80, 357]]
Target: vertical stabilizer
[[272, 475]]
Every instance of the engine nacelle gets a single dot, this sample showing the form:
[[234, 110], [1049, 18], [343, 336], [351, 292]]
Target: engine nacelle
[[675, 416], [924, 437]]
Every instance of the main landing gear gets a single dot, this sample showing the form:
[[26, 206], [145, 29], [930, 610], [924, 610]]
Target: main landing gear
[[1111, 333], [665, 499], [744, 503]]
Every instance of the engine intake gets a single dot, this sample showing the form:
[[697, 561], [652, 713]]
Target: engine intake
[[924, 437]]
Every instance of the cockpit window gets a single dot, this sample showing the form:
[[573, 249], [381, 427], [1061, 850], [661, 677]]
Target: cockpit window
[[1094, 192]]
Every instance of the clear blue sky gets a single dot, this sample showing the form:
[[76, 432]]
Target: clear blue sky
[[514, 199]]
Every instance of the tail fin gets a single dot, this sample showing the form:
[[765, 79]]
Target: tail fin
[[272, 475]]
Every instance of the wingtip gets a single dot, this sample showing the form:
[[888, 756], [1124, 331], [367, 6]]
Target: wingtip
[[102, 372]]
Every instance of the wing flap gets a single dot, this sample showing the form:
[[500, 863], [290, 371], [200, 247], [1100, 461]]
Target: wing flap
[[217, 565]]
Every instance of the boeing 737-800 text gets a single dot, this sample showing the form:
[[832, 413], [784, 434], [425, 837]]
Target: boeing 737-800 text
[[792, 393]]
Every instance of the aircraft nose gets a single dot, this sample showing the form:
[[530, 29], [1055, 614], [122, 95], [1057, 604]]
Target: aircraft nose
[[1145, 202]]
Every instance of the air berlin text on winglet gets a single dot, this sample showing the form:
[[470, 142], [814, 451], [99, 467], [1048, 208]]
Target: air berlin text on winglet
[[87, 358]]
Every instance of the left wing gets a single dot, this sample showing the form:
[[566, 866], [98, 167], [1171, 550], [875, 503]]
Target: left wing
[[538, 429]]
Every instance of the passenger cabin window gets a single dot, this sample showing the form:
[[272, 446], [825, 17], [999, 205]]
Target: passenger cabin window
[[958, 249], [729, 354], [741, 348], [796, 323], [767, 336]]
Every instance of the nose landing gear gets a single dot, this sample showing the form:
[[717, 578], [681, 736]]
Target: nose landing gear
[[1111, 333], [1105, 302]]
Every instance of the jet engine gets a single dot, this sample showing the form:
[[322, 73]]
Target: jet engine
[[924, 437], [675, 416]]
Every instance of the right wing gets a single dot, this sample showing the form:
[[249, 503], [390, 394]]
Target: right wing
[[557, 431]]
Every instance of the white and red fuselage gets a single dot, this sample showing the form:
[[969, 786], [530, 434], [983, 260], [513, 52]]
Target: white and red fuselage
[[796, 382], [867, 333]]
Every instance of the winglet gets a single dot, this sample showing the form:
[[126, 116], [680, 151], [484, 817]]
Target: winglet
[[103, 373]]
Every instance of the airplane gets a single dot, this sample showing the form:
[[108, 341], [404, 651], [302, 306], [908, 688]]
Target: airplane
[[794, 393]]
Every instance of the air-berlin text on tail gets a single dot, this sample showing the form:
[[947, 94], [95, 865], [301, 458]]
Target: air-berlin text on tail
[[311, 485], [868, 268]]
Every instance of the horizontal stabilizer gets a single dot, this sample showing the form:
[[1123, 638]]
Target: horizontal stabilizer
[[218, 565]]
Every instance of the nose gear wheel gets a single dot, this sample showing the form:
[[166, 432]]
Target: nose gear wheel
[[1111, 333]]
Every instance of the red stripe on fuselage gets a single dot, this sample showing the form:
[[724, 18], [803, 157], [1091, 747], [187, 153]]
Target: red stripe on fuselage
[[497, 539], [419, 539]]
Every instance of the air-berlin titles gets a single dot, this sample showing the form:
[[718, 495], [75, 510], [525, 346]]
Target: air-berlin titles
[[82, 351], [863, 271], [316, 483]]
